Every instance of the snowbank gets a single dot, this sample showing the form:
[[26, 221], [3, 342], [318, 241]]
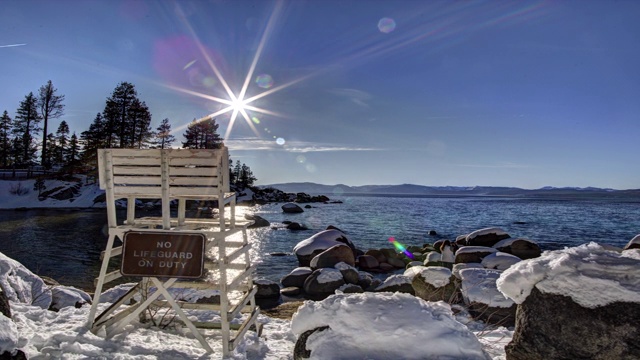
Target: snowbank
[[21, 285], [384, 326], [479, 286], [320, 241], [590, 274], [9, 200]]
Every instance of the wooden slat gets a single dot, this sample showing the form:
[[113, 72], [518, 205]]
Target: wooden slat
[[179, 161], [195, 181], [191, 153], [137, 170], [136, 161], [141, 192], [115, 251], [240, 306], [136, 180], [108, 277], [196, 192], [193, 171]]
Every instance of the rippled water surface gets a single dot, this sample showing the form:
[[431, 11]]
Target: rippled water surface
[[66, 245]]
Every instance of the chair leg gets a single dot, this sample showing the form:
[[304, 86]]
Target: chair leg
[[103, 272]]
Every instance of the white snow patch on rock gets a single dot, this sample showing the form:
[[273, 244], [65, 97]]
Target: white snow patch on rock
[[479, 286], [436, 275], [384, 326], [328, 275], [499, 260], [21, 285], [591, 275], [320, 241]]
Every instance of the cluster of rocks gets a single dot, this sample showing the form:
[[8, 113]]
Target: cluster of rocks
[[20, 285], [329, 262], [270, 195]]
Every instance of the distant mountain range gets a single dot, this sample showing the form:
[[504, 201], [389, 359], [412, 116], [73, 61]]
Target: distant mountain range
[[420, 190]]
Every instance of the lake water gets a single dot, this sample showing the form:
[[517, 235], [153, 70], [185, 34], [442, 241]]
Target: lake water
[[66, 245]]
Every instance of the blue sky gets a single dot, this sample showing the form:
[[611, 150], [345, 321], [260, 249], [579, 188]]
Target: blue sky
[[501, 93]]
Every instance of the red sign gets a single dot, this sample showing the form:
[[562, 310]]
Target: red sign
[[163, 254]]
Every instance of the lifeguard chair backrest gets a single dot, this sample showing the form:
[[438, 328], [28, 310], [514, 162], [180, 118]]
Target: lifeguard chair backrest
[[159, 173]]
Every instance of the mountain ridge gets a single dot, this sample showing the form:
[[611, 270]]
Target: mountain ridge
[[423, 190]]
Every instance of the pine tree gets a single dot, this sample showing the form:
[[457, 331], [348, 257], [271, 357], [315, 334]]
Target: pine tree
[[127, 119], [202, 135], [25, 126], [62, 143], [96, 137], [246, 178], [53, 149], [163, 138], [50, 107], [5, 140], [140, 122], [72, 157]]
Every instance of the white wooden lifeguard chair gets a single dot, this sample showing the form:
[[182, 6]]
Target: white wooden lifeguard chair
[[175, 175]]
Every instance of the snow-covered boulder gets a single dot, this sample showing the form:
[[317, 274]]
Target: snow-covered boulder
[[395, 283], [296, 277], [633, 243], [581, 302], [21, 285], [349, 273], [435, 283], [485, 302], [306, 249], [380, 326], [433, 258], [472, 254], [333, 255], [499, 261], [486, 237], [522, 248], [459, 267], [63, 296], [291, 208], [323, 282]]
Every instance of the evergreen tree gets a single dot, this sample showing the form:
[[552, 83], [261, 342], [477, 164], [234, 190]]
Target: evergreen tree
[[246, 177], [127, 119], [232, 175], [50, 107], [5, 139], [96, 137], [62, 143], [163, 138], [25, 126], [53, 149], [71, 161], [202, 135]]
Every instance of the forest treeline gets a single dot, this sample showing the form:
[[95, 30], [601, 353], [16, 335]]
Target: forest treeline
[[125, 122]]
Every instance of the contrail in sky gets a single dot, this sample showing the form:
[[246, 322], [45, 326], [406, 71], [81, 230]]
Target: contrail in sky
[[12, 45]]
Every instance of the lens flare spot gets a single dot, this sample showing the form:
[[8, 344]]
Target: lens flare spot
[[209, 81], [280, 141], [264, 81], [311, 168], [189, 64], [255, 120], [386, 25], [301, 159], [400, 248]]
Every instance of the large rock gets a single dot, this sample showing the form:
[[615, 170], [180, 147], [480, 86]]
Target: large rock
[[333, 255], [349, 273], [368, 262], [554, 327], [291, 208], [296, 277], [435, 283], [63, 296], [308, 248], [472, 254], [575, 303], [634, 243], [485, 302], [5, 309], [376, 254], [522, 248], [21, 285], [396, 283], [323, 282], [267, 289], [258, 221], [486, 237]]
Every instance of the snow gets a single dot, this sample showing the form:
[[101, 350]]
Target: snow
[[8, 334], [436, 275], [459, 267], [479, 286], [344, 266], [635, 240], [303, 270], [63, 296], [447, 254], [474, 249], [384, 326], [433, 257], [413, 271], [328, 275], [590, 274], [499, 260], [20, 284], [394, 280], [509, 241], [320, 241], [30, 200], [486, 231]]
